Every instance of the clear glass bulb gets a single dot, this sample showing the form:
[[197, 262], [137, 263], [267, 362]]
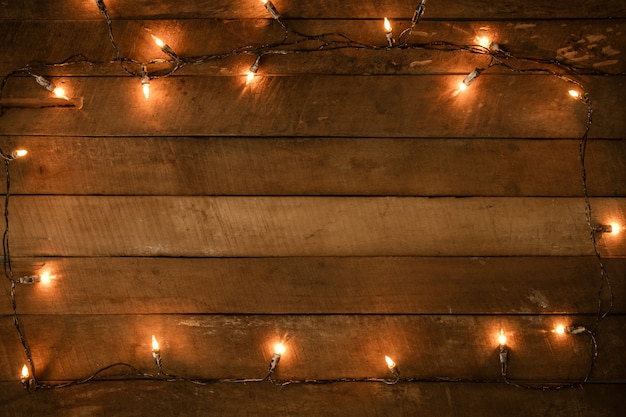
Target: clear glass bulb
[[279, 348], [25, 373], [387, 25], [502, 338], [155, 344]]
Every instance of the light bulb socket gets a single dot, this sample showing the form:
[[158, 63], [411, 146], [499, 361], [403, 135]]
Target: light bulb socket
[[29, 279], [272, 10], [255, 66], [575, 329], [603, 228], [472, 76], [274, 361], [394, 371], [44, 83], [28, 384], [504, 359], [390, 39], [157, 359]]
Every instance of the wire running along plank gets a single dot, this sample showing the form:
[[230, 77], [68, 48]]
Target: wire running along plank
[[315, 166], [588, 43], [314, 285], [326, 106], [318, 347]]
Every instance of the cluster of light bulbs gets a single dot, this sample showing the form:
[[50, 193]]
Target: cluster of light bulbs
[[280, 348]]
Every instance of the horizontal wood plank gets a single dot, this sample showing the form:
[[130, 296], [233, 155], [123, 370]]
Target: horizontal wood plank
[[373, 285], [315, 166], [504, 106], [310, 226], [318, 347], [443, 9], [367, 400], [593, 44]]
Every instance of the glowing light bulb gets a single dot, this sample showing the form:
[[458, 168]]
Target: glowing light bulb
[[271, 9], [59, 92], [559, 329], [483, 41], [145, 85], [390, 362], [388, 32], [615, 228], [392, 366], [45, 277], [462, 86], [158, 41], [19, 153], [25, 373], [502, 338], [253, 70], [279, 350], [155, 345], [471, 77], [574, 93], [164, 47], [603, 228]]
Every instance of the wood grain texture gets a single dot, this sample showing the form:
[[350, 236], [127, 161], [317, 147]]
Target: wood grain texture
[[309, 226], [422, 106], [319, 346], [443, 9], [372, 285], [314, 166], [368, 400], [593, 44]]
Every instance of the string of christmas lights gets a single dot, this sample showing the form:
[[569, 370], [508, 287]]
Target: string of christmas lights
[[296, 42]]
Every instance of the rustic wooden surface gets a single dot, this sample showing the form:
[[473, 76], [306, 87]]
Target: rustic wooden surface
[[362, 106], [315, 166], [349, 201], [446, 399], [311, 285], [319, 346], [310, 226]]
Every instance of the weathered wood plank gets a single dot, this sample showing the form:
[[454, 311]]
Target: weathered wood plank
[[441, 9], [594, 44], [396, 285], [309, 226], [315, 166], [446, 398], [319, 347], [504, 106]]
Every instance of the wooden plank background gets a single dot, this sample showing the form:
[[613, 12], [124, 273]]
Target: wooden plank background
[[316, 285], [350, 201]]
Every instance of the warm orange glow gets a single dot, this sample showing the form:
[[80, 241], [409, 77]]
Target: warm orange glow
[[559, 329], [25, 373], [155, 344], [146, 89], [19, 153], [45, 277], [483, 41], [615, 228], [158, 41], [574, 93], [264, 1], [279, 348], [462, 86], [249, 77], [60, 93], [387, 25], [390, 363], [502, 338]]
